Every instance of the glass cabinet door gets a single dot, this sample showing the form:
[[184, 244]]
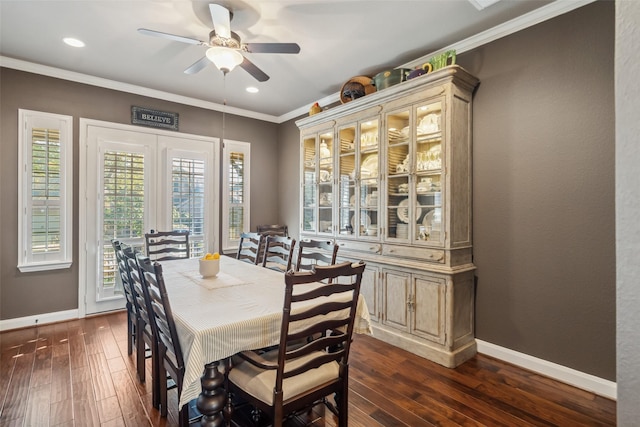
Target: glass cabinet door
[[346, 178], [365, 220], [399, 220], [428, 173], [309, 188], [325, 183]]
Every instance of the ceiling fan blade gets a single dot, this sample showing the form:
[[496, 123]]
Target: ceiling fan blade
[[252, 69], [198, 65], [272, 47], [221, 20], [169, 36]]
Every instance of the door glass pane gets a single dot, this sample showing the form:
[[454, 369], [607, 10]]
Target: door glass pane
[[122, 211], [325, 184], [346, 179], [398, 170], [367, 223], [428, 167], [309, 185], [188, 201]]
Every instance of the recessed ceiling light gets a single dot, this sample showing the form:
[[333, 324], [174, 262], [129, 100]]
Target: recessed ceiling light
[[481, 4], [252, 89], [73, 42]]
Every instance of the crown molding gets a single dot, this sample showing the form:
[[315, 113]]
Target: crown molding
[[544, 13], [73, 76]]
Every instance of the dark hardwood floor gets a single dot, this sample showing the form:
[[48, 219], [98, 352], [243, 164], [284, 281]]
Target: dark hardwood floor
[[77, 373]]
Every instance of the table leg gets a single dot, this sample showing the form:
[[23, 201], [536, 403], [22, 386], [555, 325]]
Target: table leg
[[212, 399]]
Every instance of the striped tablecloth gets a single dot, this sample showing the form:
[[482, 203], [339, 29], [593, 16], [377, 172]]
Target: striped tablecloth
[[240, 309]]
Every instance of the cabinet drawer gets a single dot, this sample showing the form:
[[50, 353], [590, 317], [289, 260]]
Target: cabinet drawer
[[348, 245], [426, 254]]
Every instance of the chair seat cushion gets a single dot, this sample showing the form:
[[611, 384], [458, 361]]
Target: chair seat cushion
[[260, 382]]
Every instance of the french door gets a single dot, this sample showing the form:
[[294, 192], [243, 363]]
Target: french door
[[135, 180]]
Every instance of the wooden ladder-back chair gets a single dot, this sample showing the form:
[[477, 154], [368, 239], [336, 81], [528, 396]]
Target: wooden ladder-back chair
[[294, 377], [170, 359], [167, 245], [145, 334], [125, 278], [250, 248], [278, 253], [315, 252]]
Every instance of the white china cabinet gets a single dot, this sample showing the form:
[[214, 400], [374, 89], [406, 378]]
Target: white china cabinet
[[388, 177]]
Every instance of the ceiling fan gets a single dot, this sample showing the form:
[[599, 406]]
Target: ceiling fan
[[225, 47]]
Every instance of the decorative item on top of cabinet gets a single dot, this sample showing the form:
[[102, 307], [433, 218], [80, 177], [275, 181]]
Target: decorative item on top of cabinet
[[397, 194], [315, 109]]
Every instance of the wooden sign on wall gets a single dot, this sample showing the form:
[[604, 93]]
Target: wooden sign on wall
[[154, 118]]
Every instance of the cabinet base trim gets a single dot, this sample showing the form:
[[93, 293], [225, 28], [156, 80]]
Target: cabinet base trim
[[432, 352]]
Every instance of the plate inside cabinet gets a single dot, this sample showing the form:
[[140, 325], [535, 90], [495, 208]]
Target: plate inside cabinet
[[366, 221], [428, 218], [369, 168], [403, 210]]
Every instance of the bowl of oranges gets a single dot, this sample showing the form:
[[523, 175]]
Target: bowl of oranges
[[210, 264]]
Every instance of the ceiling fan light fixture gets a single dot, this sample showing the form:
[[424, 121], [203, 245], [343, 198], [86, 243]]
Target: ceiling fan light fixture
[[224, 58]]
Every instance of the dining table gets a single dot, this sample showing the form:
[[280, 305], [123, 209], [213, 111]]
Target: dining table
[[216, 317]]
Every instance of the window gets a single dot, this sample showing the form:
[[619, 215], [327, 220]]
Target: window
[[188, 200], [45, 191], [235, 205]]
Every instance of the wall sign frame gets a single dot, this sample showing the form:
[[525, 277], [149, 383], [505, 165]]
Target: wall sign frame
[[154, 118]]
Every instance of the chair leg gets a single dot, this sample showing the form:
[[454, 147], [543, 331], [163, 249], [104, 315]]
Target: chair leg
[[162, 382], [130, 333], [140, 352], [342, 402], [159, 378]]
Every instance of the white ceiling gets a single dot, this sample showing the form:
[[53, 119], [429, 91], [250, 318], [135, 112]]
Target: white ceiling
[[339, 39]]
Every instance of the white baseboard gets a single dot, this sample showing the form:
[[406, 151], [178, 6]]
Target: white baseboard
[[39, 319], [569, 376]]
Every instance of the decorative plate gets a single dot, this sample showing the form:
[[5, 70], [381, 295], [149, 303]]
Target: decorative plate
[[428, 218], [403, 210], [366, 221], [369, 167]]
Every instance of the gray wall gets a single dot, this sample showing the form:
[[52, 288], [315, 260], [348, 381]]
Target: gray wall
[[544, 214], [628, 210], [26, 294], [543, 206]]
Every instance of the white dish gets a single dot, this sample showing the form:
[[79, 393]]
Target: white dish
[[403, 210], [369, 167], [428, 218], [352, 201], [366, 223]]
